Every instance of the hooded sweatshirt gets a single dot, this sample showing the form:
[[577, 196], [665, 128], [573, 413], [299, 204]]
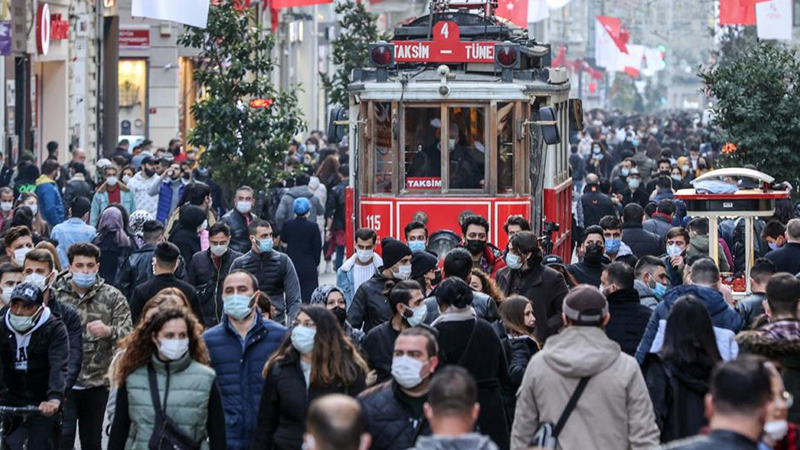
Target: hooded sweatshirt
[[614, 412], [471, 441], [24, 339]]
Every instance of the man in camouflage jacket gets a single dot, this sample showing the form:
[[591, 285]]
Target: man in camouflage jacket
[[106, 318]]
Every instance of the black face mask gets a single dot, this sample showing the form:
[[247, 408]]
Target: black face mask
[[149, 172], [187, 176], [340, 313], [664, 173], [594, 253], [475, 246]]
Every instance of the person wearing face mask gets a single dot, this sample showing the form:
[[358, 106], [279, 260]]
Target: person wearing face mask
[[169, 190], [519, 344], [303, 246], [416, 236], [274, 270], [651, 281], [526, 276], [140, 186], [361, 266], [634, 192], [370, 306], [424, 271], [752, 307], [240, 217], [332, 298], [778, 432], [163, 265], [34, 353], [704, 276], [6, 205], [473, 344], [620, 183], [628, 316], [664, 170], [739, 407], [112, 191], [394, 409], [239, 348], [408, 306], [317, 359], [106, 319], [167, 360], [590, 268], [208, 270], [10, 276], [49, 194], [475, 234], [779, 338]]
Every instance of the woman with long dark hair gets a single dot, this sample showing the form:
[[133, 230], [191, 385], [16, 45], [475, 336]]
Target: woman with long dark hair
[[169, 350], [519, 343], [38, 225], [678, 376], [316, 359], [114, 243]]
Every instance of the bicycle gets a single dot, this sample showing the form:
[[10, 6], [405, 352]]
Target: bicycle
[[19, 411]]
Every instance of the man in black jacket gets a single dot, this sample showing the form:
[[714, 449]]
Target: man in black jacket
[[641, 241], [589, 270], [208, 270], [740, 405], [596, 204], [394, 409], [239, 218], [787, 258], [628, 316], [274, 270], [138, 268], [165, 262], [34, 354], [335, 215]]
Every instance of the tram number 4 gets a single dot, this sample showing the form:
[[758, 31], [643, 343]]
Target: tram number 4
[[374, 222], [445, 31]]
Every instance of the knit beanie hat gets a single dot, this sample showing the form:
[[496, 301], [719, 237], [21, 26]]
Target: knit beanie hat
[[422, 263], [393, 251]]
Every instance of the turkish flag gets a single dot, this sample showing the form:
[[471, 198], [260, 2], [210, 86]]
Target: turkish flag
[[614, 28], [522, 12], [738, 12]]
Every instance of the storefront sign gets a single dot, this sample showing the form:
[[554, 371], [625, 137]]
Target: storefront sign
[[136, 39], [5, 38], [59, 29], [43, 31]]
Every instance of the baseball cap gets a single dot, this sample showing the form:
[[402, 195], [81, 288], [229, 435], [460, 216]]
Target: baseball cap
[[585, 305], [28, 293], [552, 260], [103, 162], [148, 158]]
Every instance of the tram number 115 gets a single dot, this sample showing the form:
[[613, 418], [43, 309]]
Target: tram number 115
[[374, 222]]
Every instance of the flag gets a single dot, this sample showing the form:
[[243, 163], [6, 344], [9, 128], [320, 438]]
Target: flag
[[609, 43], [561, 59], [613, 26], [522, 12], [187, 12], [774, 19], [631, 62], [737, 12]]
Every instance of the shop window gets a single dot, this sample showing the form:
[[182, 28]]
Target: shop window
[[383, 147], [466, 143], [505, 148], [422, 154], [132, 99]]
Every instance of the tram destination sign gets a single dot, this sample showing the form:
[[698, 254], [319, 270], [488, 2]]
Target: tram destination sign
[[446, 47]]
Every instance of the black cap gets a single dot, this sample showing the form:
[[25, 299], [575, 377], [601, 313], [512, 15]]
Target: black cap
[[552, 260], [148, 160], [28, 293], [393, 251], [422, 263]]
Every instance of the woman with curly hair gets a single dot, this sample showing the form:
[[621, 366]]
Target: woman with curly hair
[[168, 352], [480, 282], [315, 360]]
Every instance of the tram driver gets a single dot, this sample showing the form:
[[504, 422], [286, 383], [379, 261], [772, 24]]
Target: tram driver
[[466, 163]]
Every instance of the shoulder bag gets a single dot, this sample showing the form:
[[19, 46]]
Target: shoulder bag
[[166, 433], [547, 435]]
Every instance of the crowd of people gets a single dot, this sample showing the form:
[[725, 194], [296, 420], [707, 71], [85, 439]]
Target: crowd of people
[[135, 299]]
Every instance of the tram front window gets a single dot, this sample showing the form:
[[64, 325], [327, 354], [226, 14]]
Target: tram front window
[[505, 148], [383, 147], [466, 144], [422, 153]]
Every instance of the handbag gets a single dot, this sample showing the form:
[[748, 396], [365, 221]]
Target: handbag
[[547, 435], [166, 433]]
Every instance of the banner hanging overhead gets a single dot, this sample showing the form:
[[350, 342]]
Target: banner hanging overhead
[[188, 12], [774, 20]]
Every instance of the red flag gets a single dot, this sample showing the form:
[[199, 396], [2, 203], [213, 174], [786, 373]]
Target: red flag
[[561, 58], [515, 11], [738, 12], [614, 28]]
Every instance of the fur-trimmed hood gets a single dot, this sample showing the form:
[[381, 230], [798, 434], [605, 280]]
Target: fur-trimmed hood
[[787, 351]]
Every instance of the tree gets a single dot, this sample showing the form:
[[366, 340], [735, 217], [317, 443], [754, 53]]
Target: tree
[[244, 123], [756, 108], [624, 95], [357, 29]]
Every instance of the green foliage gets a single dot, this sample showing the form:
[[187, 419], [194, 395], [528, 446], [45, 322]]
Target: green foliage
[[756, 108], [733, 43], [624, 95], [350, 48], [244, 145]]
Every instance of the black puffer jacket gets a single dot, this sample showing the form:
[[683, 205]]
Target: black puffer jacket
[[628, 319], [207, 281], [596, 205], [138, 269], [641, 241], [391, 424], [370, 307], [284, 403], [240, 237]]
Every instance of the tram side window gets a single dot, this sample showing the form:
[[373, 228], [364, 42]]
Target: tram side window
[[505, 148], [467, 145], [422, 153], [383, 147]]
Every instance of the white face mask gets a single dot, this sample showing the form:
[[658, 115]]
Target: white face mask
[[19, 255], [112, 181], [403, 272], [126, 179], [6, 295], [776, 429], [173, 349], [407, 371], [37, 280], [365, 256], [244, 207], [451, 144], [6, 206], [219, 250], [34, 208]]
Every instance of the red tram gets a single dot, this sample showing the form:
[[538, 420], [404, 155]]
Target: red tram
[[459, 112]]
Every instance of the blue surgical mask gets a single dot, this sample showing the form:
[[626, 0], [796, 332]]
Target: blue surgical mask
[[633, 183], [23, 324], [303, 339], [673, 250], [84, 280], [624, 171], [773, 245], [416, 246], [419, 316], [660, 289], [265, 245], [237, 306], [613, 245], [513, 261]]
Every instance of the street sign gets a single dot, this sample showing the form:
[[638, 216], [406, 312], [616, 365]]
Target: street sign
[[135, 39], [446, 47]]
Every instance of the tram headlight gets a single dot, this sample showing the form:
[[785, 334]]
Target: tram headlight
[[381, 55], [506, 56]]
